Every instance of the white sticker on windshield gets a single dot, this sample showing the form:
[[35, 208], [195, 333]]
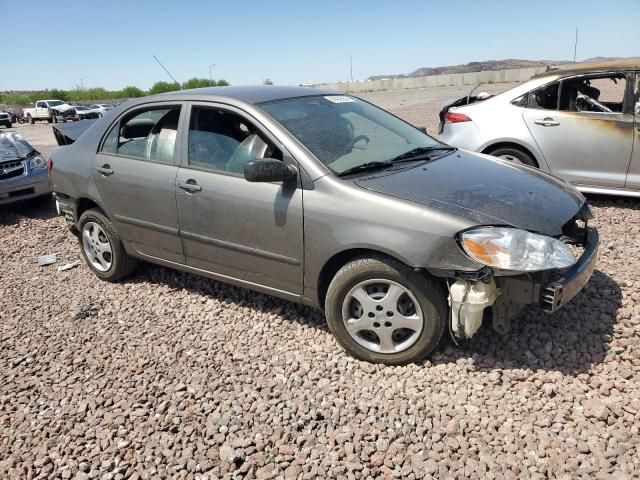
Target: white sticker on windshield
[[339, 99]]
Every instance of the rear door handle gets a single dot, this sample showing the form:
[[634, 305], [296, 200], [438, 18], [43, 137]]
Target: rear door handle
[[105, 170], [189, 186], [546, 122]]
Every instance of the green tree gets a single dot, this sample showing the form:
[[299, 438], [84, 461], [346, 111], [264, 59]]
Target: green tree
[[267, 81], [130, 92], [15, 99], [163, 87], [56, 94], [197, 83], [222, 83]]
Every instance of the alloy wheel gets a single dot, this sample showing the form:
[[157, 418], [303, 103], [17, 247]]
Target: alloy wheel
[[511, 158], [383, 316], [96, 246]]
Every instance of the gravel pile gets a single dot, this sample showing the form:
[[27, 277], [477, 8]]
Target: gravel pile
[[169, 375]]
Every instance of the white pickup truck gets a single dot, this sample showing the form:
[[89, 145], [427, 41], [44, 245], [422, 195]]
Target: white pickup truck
[[50, 110]]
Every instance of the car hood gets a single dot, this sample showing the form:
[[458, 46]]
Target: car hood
[[484, 189], [14, 147]]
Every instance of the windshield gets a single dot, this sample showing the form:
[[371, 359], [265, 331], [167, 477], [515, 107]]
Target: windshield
[[344, 132], [54, 103], [79, 107]]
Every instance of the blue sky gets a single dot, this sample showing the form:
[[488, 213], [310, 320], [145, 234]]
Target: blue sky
[[111, 43]]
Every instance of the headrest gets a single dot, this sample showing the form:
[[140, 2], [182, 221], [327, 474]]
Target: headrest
[[137, 128]]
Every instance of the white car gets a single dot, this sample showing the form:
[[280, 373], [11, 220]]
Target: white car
[[579, 124], [101, 108]]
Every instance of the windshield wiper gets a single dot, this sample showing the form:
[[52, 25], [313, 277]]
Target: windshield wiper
[[417, 153], [364, 167]]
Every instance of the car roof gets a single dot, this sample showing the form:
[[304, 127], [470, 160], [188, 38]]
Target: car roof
[[249, 94], [573, 69]]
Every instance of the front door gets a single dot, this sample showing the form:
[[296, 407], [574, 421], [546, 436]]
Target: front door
[[633, 177], [135, 172], [584, 128], [231, 227]]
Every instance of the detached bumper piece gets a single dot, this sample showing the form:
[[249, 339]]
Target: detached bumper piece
[[557, 293]]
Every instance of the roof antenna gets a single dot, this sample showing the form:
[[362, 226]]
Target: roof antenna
[[163, 67]]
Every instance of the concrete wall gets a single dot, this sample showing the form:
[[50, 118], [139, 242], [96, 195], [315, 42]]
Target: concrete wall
[[471, 78]]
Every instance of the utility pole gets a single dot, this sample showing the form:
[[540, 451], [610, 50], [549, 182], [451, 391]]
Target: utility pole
[[351, 65], [210, 74], [163, 67], [575, 46]]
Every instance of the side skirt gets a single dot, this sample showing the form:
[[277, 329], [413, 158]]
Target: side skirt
[[223, 278]]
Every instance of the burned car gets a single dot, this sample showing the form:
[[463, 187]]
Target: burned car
[[576, 123], [23, 170], [327, 200]]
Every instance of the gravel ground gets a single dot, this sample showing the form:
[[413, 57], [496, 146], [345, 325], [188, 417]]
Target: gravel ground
[[169, 375]]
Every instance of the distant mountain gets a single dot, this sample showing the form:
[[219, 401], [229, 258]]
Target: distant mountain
[[489, 65], [607, 59]]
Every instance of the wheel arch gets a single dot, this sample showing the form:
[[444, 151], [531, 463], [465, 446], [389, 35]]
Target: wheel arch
[[85, 203], [340, 259], [513, 144]]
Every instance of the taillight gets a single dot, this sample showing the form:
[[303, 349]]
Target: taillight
[[49, 165], [451, 117]]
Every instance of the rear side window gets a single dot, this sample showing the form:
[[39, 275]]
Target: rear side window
[[544, 98], [149, 134]]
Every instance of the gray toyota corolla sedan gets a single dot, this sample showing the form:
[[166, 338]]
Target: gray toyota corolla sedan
[[327, 200]]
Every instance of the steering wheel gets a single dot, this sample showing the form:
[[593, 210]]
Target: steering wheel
[[349, 147]]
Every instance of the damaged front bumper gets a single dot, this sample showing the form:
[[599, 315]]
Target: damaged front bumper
[[504, 297], [557, 293]]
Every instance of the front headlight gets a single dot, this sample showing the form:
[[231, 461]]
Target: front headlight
[[37, 161], [513, 249]]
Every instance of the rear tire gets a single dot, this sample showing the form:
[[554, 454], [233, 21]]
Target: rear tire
[[417, 297], [515, 155], [30, 119], [110, 263]]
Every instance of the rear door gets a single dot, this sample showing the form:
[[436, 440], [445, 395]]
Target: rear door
[[584, 128], [633, 177], [135, 172], [248, 231]]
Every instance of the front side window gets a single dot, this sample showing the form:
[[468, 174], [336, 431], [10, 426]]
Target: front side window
[[149, 134], [224, 141], [41, 105], [344, 132], [603, 93]]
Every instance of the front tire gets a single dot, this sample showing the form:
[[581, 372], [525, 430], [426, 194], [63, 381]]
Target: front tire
[[514, 155], [382, 311], [102, 248]]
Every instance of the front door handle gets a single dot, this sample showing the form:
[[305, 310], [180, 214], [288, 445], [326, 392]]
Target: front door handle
[[105, 169], [546, 122], [189, 186]]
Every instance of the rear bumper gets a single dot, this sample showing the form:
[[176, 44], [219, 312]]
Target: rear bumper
[[557, 293], [463, 135]]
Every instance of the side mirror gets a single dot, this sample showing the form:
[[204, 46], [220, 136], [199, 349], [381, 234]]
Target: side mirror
[[268, 170], [422, 129]]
